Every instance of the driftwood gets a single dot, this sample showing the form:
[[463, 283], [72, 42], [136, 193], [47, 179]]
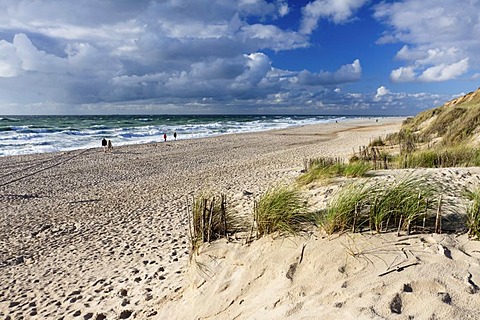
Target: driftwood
[[398, 269]]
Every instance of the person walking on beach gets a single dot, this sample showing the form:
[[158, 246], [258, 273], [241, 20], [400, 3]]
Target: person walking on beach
[[109, 146], [104, 144], [165, 137], [175, 135]]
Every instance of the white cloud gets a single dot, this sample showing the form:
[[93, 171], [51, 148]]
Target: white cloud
[[441, 37], [346, 73], [283, 8], [436, 73], [10, 64], [444, 72], [257, 67], [403, 74], [338, 11], [381, 91]]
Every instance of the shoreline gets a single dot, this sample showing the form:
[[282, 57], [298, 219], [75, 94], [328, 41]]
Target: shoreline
[[89, 234], [213, 135]]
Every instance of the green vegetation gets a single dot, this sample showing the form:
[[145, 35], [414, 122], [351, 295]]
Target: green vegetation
[[473, 214], [281, 209], [378, 205], [455, 122], [325, 168], [456, 156], [343, 210], [356, 169], [378, 142], [446, 136]]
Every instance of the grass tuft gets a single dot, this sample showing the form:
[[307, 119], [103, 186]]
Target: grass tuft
[[325, 168], [281, 209], [378, 205], [473, 214], [356, 169], [457, 156], [343, 209]]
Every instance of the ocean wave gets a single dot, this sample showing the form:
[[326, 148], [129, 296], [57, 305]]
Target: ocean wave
[[47, 134], [9, 119]]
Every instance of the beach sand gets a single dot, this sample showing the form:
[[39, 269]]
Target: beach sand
[[93, 235]]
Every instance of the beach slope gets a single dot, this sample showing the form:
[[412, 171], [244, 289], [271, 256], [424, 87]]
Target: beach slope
[[93, 235]]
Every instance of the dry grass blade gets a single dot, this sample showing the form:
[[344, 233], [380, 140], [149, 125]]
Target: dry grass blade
[[379, 202], [281, 209], [473, 214]]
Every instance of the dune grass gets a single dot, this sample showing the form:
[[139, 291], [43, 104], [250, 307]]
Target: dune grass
[[356, 169], [281, 209], [379, 205], [342, 213], [473, 214], [325, 168], [377, 142], [455, 156]]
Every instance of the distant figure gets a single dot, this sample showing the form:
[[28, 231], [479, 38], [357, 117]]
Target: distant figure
[[165, 137], [109, 146], [175, 135], [104, 144]]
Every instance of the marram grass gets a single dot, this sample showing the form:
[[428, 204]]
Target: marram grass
[[378, 205], [281, 209], [342, 210], [473, 214], [326, 168], [456, 156]]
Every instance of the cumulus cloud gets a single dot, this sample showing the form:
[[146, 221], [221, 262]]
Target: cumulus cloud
[[441, 38], [10, 64], [436, 73], [381, 92], [347, 73], [444, 72], [338, 11], [403, 74]]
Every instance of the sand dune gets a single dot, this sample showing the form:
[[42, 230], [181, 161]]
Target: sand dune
[[89, 235]]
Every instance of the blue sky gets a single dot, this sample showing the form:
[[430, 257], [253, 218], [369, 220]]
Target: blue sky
[[236, 56]]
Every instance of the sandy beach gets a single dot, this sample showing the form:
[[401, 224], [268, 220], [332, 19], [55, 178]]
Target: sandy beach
[[93, 235]]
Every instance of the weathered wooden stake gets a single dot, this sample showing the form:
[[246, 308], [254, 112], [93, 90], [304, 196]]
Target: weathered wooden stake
[[209, 228], [425, 214], [400, 225], [204, 217], [354, 217], [438, 220], [224, 214]]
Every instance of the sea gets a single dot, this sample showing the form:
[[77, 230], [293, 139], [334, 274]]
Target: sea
[[41, 134]]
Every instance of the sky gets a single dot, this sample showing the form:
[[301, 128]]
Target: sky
[[322, 57]]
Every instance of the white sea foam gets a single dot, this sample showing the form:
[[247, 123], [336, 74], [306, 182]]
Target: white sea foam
[[25, 138]]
